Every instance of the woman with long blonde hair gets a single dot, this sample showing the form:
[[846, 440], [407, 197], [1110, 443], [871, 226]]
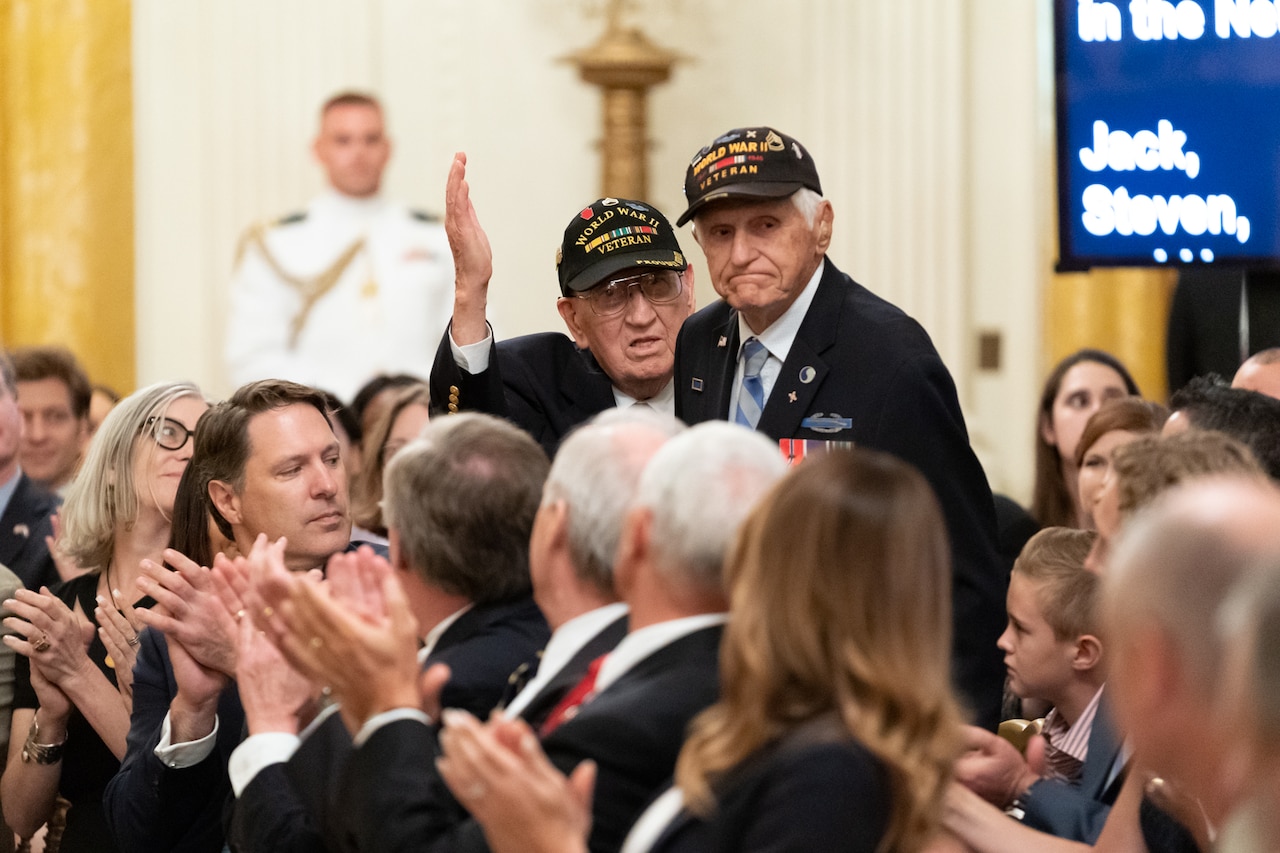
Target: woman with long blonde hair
[[836, 729]]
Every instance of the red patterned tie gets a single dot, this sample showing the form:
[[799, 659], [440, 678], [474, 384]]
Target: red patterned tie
[[568, 707]]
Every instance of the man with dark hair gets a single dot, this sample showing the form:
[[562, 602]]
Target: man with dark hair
[[689, 501], [801, 352], [1253, 419], [625, 288], [459, 503], [24, 507], [353, 286], [269, 464], [53, 394]]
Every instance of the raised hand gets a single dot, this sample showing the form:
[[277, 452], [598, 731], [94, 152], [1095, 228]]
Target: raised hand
[[472, 257]]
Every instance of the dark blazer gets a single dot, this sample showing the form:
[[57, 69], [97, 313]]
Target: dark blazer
[[542, 383], [23, 527], [541, 706], [812, 790], [1078, 812], [861, 370], [633, 730], [153, 807], [295, 806]]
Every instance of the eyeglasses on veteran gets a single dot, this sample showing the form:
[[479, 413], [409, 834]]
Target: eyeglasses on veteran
[[658, 287]]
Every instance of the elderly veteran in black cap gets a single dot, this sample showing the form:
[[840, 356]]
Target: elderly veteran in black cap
[[625, 289], [801, 352]]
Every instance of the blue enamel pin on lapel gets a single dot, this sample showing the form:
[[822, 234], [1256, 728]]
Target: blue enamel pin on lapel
[[696, 384], [807, 374]]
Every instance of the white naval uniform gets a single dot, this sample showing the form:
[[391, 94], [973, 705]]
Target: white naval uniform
[[385, 312]]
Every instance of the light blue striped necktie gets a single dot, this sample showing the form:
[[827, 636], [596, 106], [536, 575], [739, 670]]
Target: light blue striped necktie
[[751, 395]]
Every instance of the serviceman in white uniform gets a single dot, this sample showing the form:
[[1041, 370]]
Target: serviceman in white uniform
[[355, 286]]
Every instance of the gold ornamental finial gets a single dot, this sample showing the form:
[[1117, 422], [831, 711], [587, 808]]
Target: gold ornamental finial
[[625, 64]]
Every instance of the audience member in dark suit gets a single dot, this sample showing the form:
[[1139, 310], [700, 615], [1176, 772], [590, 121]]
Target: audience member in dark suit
[[636, 702], [835, 730], [268, 464], [572, 546], [24, 507], [623, 342], [823, 359], [459, 503], [592, 483]]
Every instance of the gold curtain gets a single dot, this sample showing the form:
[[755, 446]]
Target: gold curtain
[[66, 181], [1122, 311]]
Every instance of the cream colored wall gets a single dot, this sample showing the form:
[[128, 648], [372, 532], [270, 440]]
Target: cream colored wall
[[924, 118]]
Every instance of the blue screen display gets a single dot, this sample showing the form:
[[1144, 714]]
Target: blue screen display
[[1168, 132]]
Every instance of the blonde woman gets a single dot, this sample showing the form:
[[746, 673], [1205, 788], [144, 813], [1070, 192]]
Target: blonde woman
[[77, 642], [836, 728]]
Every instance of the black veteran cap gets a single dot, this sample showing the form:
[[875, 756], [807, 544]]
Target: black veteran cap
[[614, 234], [748, 161]]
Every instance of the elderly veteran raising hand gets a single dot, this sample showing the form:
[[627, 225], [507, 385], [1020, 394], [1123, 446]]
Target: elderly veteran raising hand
[[70, 719]]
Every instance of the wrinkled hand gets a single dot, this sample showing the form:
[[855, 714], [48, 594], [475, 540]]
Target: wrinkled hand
[[67, 568], [354, 633], [189, 611], [271, 691], [118, 630], [992, 767], [502, 776], [472, 256]]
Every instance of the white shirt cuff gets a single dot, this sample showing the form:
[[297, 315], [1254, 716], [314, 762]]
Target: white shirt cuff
[[177, 755], [473, 358], [258, 752], [377, 721]]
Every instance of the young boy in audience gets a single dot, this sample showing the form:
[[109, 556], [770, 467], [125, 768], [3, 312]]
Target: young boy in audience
[[1051, 645]]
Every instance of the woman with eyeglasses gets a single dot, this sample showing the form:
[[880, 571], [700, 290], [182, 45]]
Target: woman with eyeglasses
[[77, 642]]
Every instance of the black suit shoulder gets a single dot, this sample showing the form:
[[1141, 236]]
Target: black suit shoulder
[[798, 794], [634, 730], [542, 382], [483, 647], [23, 529]]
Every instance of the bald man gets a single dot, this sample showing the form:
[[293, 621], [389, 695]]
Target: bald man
[[1261, 373]]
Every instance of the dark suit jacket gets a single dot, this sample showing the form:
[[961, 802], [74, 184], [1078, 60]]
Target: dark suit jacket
[[542, 383], [1078, 812], [153, 807], [540, 707], [815, 789], [633, 730], [294, 806], [859, 358], [23, 527]]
